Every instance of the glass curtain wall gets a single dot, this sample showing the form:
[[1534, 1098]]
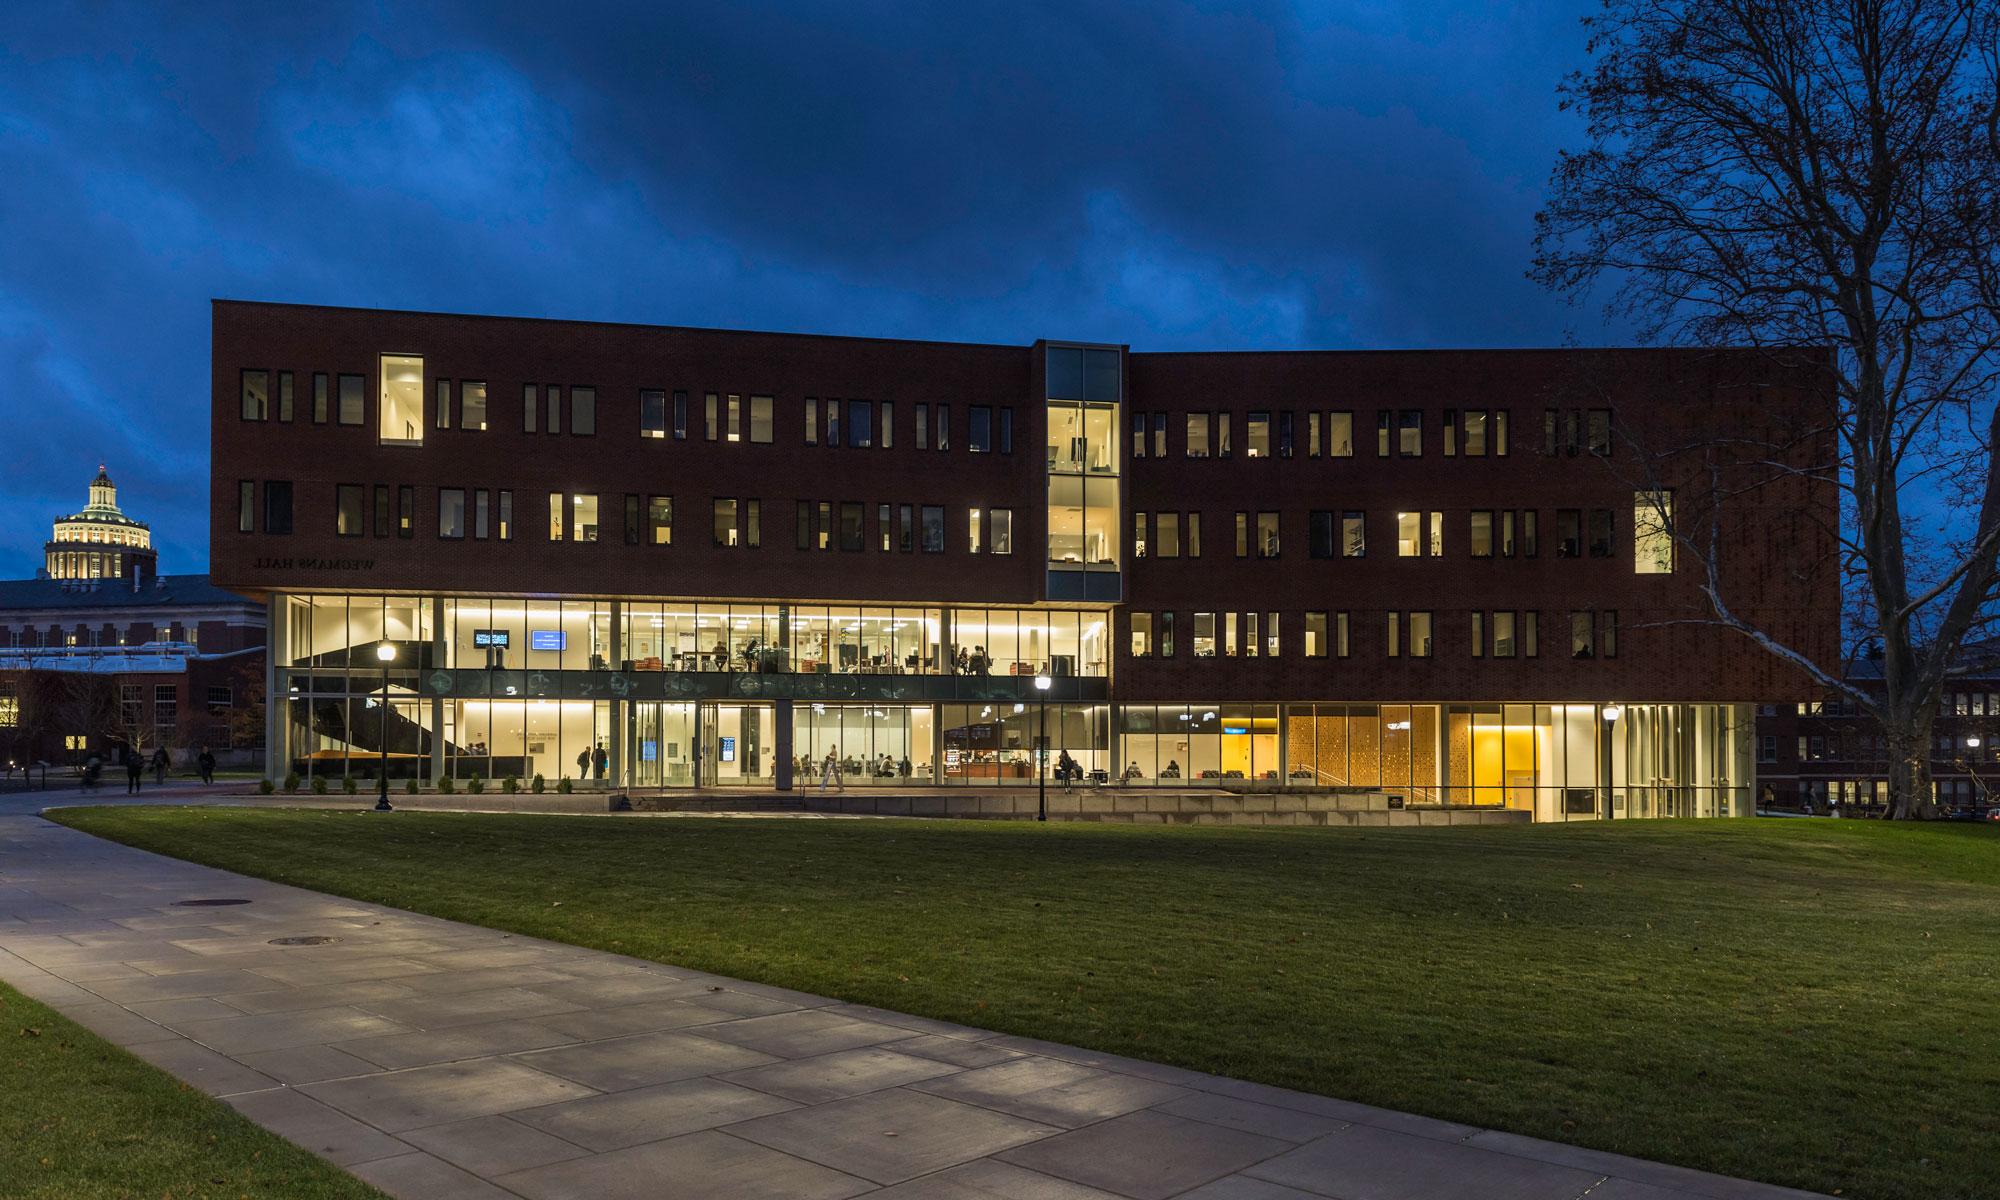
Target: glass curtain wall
[[334, 685], [987, 744], [871, 744]]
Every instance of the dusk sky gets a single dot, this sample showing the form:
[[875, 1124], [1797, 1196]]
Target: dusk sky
[[1175, 176]]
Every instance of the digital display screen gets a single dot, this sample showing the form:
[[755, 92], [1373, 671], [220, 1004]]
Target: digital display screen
[[649, 751], [729, 749], [491, 639], [548, 639]]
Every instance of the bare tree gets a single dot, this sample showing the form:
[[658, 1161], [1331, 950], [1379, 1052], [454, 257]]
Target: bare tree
[[1788, 174]]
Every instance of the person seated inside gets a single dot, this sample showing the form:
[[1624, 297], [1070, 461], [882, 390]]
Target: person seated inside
[[1173, 769], [1132, 771]]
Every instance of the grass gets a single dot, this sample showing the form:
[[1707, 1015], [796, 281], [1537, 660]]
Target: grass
[[81, 1119], [1810, 1003]]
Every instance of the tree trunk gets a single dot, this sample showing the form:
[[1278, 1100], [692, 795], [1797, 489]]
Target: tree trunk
[[1909, 746]]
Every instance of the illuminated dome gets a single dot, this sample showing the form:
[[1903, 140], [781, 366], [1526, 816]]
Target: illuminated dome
[[100, 542]]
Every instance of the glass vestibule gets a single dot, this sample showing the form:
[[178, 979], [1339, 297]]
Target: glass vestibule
[[987, 744]]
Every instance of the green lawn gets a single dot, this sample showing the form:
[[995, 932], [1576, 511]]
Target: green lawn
[[81, 1119], [1813, 1003]]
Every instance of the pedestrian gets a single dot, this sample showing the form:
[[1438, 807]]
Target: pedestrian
[[602, 761], [135, 769], [583, 763], [161, 761], [205, 763], [828, 768]]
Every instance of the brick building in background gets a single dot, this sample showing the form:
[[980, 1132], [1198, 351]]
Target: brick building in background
[[720, 555], [108, 654]]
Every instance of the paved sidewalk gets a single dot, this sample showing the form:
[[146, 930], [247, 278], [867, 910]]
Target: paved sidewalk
[[442, 1061]]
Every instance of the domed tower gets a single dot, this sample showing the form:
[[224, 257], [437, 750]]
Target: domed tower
[[101, 542]]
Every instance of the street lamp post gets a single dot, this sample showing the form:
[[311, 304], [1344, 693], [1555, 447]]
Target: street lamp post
[[1042, 683], [386, 651], [1611, 714]]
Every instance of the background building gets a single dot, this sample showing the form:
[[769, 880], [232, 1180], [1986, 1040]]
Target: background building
[[109, 654], [719, 556]]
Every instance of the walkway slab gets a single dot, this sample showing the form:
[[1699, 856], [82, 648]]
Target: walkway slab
[[442, 1061]]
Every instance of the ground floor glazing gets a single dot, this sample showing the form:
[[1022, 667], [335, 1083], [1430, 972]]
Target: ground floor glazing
[[1556, 761]]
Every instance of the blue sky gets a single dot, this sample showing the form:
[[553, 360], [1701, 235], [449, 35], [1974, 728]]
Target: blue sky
[[1176, 176]]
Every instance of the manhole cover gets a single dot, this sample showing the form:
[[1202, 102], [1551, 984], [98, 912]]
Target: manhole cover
[[314, 940], [208, 903]]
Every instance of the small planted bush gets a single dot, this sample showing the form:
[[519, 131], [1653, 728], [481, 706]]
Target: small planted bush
[[348, 785], [562, 786], [291, 781], [475, 785], [539, 785], [266, 787], [446, 786], [319, 785], [410, 786], [510, 785]]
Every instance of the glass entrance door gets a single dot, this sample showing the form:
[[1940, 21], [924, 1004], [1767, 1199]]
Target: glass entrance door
[[737, 745], [660, 738]]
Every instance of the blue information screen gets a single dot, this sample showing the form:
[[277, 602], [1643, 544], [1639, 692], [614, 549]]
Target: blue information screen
[[548, 639], [729, 749]]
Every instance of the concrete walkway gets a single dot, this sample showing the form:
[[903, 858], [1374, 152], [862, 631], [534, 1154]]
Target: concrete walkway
[[442, 1061]]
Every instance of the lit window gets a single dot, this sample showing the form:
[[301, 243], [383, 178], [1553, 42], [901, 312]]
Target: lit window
[[1652, 533], [653, 414], [472, 406], [401, 400], [760, 419], [1142, 635], [1197, 435], [1409, 534], [256, 395], [1000, 539]]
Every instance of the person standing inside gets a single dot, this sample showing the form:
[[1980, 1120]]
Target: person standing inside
[[135, 769], [583, 764], [204, 762], [601, 762], [161, 761]]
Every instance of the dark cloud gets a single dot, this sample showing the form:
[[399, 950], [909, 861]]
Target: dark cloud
[[1177, 176]]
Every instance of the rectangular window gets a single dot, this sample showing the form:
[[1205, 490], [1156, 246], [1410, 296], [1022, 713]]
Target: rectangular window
[[1652, 533], [1312, 434], [348, 519], [1001, 539], [723, 526], [933, 529], [979, 429], [506, 515], [1505, 534], [1315, 635], [923, 426], [653, 414], [482, 527], [1499, 433], [861, 424], [351, 403], [1599, 421], [1475, 433], [1530, 642], [1006, 431], [531, 407], [1409, 534], [1267, 535], [583, 411], [1607, 633], [1600, 533], [553, 394], [824, 541], [1395, 643], [406, 511], [1285, 434], [277, 506], [556, 525], [1503, 635], [712, 416], [472, 406], [1194, 535], [382, 511], [1582, 636], [1204, 635], [1384, 428], [451, 513], [906, 528], [399, 400], [1450, 424], [632, 527], [1420, 635], [1569, 533], [1222, 435], [1340, 635], [1320, 534], [975, 539], [322, 399], [1242, 535], [1231, 645], [285, 396], [732, 418], [1340, 435], [1478, 635], [832, 422], [1196, 445], [885, 528], [1139, 539], [1142, 635], [1257, 435], [1481, 535], [812, 421], [888, 429], [1138, 435], [680, 416], [944, 426], [753, 523], [1159, 435], [246, 506], [660, 520], [1353, 534], [1167, 542], [853, 527], [442, 404], [256, 395], [1165, 645], [1436, 531], [1270, 635], [1411, 442]]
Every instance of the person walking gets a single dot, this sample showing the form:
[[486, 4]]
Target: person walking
[[828, 768], [583, 764], [601, 762], [204, 762], [135, 770], [161, 761]]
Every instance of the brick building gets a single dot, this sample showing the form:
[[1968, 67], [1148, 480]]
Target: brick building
[[719, 556]]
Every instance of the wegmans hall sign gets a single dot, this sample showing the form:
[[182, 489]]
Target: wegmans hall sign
[[314, 564]]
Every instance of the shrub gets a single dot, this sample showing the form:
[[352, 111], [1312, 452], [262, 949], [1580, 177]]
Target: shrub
[[410, 786], [266, 787], [291, 781], [349, 785], [562, 785], [510, 785], [539, 785], [475, 785], [446, 786], [319, 785]]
